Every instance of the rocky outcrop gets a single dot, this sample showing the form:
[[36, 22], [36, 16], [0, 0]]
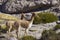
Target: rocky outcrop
[[10, 6], [2, 2]]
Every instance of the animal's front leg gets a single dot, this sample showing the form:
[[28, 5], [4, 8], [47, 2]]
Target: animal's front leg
[[8, 32], [19, 28], [26, 31], [10, 29], [17, 33]]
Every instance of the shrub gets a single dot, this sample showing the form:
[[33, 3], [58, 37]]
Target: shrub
[[38, 18], [49, 35], [48, 17], [57, 27], [45, 17], [28, 38], [58, 36], [3, 28]]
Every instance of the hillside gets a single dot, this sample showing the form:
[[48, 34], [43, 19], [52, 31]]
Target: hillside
[[11, 6]]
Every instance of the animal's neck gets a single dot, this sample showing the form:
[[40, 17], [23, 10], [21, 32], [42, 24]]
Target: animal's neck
[[31, 21], [30, 24], [22, 16]]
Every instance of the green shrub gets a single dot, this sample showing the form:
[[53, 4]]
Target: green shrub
[[57, 27], [3, 28], [28, 38], [38, 18], [49, 35], [58, 36], [45, 17]]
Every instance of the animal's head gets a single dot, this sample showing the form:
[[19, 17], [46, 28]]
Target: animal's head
[[29, 16]]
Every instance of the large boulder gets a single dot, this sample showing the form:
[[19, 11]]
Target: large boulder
[[2, 1], [11, 6]]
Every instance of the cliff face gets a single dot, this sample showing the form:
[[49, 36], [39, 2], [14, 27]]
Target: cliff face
[[10, 6], [2, 2]]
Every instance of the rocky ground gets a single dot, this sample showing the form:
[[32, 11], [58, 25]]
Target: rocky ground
[[35, 30]]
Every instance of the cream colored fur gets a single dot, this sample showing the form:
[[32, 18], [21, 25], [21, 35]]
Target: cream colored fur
[[27, 26]]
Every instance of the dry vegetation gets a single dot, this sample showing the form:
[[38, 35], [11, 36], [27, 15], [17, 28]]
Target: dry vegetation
[[7, 17]]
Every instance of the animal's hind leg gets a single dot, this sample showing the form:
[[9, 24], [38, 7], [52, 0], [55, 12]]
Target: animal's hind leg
[[8, 32], [19, 31]]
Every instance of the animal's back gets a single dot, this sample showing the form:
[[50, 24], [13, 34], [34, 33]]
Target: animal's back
[[24, 24]]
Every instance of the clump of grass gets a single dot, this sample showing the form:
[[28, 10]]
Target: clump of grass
[[28, 38]]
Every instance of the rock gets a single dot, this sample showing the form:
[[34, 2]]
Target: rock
[[12, 38], [54, 2], [11, 6], [2, 1], [3, 39], [32, 4], [58, 31]]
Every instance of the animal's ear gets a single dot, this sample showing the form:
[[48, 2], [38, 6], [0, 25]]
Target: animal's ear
[[33, 14], [22, 15]]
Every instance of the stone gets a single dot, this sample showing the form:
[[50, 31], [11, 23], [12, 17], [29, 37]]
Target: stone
[[12, 38], [11, 6]]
